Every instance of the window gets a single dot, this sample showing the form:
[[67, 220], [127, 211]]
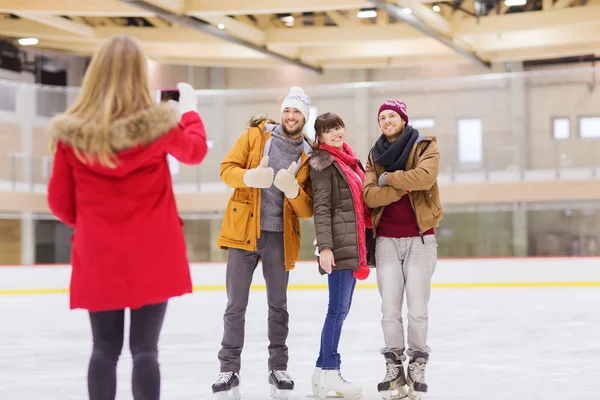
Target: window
[[470, 147], [422, 123], [561, 128], [589, 127], [309, 127]]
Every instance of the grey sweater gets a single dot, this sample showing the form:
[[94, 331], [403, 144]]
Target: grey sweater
[[282, 153]]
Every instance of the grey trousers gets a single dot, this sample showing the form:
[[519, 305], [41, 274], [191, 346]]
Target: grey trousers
[[240, 270], [405, 265]]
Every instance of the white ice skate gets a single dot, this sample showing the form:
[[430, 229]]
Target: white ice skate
[[332, 381], [315, 381]]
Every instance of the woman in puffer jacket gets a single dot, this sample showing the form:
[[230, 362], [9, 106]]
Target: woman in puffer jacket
[[340, 220]]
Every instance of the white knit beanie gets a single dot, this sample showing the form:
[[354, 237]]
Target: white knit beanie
[[297, 99]]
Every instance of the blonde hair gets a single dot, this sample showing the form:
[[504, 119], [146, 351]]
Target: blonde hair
[[115, 85]]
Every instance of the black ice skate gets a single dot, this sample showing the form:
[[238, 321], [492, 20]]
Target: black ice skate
[[281, 384], [393, 386], [227, 386], [416, 376]]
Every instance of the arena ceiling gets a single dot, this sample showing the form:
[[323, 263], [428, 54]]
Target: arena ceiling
[[320, 34]]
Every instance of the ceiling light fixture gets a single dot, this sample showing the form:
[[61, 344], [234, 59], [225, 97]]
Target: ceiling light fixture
[[28, 41], [510, 3], [366, 14]]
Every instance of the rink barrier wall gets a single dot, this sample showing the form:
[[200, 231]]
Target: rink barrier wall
[[472, 273]]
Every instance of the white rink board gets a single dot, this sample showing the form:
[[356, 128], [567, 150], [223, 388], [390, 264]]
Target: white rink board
[[448, 271]]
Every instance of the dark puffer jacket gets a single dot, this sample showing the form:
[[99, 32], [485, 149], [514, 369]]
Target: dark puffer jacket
[[334, 215]]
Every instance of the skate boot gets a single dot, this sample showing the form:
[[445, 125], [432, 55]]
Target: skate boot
[[281, 384], [331, 381], [316, 378], [416, 376], [393, 385], [227, 386]]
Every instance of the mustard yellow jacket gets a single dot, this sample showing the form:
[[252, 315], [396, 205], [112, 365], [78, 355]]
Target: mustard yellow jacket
[[241, 222]]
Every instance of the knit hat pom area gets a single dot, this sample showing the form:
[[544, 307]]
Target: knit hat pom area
[[394, 105], [362, 272], [296, 98]]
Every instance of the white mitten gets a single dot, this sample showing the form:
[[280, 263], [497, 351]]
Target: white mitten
[[316, 247], [261, 176], [285, 180], [188, 101]]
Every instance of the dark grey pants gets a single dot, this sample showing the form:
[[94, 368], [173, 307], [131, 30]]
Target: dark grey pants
[[240, 270]]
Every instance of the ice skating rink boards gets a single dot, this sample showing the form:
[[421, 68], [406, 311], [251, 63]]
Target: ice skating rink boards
[[450, 273], [499, 329]]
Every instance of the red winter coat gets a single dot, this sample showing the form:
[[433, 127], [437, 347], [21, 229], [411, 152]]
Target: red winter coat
[[128, 247]]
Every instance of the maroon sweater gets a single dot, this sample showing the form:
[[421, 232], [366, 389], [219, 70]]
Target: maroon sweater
[[399, 221]]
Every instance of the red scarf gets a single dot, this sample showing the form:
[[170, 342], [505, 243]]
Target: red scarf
[[348, 163]]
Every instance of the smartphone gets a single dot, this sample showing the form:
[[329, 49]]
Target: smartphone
[[169, 94]]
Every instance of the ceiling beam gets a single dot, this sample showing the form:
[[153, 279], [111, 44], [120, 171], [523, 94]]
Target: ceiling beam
[[339, 19], [104, 8], [59, 23], [234, 7], [542, 38], [26, 28], [330, 35], [222, 34], [398, 14], [366, 50], [427, 15], [115, 8], [562, 3], [175, 6], [527, 21], [236, 28], [543, 53]]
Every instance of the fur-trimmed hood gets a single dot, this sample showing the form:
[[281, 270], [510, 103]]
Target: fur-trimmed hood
[[320, 160], [140, 128]]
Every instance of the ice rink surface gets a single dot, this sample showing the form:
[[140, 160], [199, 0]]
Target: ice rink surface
[[487, 344]]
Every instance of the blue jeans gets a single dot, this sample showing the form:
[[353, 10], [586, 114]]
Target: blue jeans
[[341, 289]]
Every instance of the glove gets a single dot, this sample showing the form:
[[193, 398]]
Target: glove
[[381, 181], [188, 101], [260, 177], [285, 180]]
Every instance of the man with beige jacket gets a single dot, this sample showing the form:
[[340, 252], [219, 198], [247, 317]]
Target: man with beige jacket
[[401, 189]]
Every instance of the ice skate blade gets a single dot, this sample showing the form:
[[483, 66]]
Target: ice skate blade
[[281, 394], [395, 394], [339, 395], [233, 394], [315, 389], [414, 395]]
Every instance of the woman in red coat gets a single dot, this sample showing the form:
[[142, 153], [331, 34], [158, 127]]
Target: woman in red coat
[[111, 183]]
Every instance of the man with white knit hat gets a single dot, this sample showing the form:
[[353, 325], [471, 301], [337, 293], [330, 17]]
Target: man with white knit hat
[[268, 168]]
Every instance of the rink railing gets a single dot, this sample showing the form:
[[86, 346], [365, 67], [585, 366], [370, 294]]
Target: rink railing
[[476, 273]]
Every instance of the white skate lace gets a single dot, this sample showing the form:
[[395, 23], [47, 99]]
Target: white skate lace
[[224, 377], [282, 376], [417, 372], [392, 372]]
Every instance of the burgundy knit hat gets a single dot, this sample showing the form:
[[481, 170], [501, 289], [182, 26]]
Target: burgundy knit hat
[[394, 105]]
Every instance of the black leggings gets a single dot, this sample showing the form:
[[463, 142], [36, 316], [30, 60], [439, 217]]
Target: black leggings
[[107, 331]]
